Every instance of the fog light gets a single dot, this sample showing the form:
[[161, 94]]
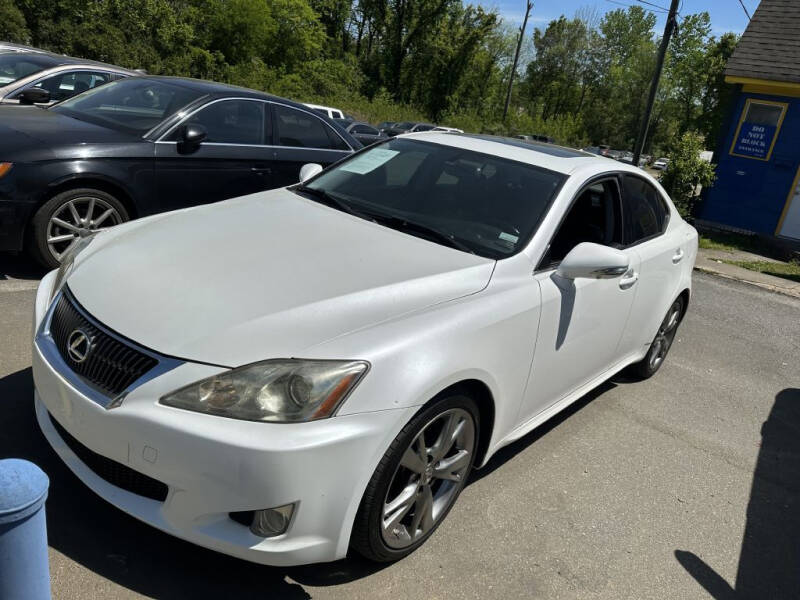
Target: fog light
[[272, 521]]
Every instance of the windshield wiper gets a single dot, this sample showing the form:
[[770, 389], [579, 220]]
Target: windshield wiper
[[403, 224], [325, 198]]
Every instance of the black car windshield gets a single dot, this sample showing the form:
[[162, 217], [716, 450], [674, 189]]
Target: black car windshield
[[15, 65], [478, 202], [134, 105]]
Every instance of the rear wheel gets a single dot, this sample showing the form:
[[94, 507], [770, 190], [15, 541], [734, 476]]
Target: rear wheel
[[69, 216], [418, 480], [661, 344]]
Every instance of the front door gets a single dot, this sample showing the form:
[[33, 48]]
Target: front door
[[582, 320], [232, 161]]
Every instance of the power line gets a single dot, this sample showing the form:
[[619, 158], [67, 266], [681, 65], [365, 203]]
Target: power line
[[744, 8], [629, 5], [653, 5]]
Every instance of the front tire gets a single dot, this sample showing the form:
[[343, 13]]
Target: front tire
[[67, 217], [418, 480], [659, 347]]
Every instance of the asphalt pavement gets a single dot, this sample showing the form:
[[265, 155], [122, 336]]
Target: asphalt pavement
[[684, 486]]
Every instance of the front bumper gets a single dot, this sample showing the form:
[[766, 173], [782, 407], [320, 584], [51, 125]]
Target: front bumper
[[213, 466]]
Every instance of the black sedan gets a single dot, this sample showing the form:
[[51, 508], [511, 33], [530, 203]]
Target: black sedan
[[146, 145], [363, 132]]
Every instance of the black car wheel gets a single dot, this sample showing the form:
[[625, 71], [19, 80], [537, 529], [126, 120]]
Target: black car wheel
[[661, 344], [418, 480], [69, 216]]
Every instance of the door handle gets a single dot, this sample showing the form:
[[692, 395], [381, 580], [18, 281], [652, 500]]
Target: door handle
[[678, 256], [628, 280], [261, 170]]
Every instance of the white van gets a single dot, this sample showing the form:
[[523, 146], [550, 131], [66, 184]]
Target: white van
[[332, 113]]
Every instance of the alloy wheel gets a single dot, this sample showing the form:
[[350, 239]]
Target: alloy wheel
[[665, 336], [77, 218], [432, 471]]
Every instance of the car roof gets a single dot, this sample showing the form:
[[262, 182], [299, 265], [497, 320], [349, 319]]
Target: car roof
[[549, 156], [57, 60]]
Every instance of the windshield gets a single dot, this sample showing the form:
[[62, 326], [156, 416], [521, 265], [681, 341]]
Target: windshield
[[489, 205], [134, 105], [14, 66]]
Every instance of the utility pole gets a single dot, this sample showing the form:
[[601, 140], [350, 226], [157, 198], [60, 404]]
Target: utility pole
[[662, 51], [516, 56]]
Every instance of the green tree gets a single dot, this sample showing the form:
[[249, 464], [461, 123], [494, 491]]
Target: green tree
[[12, 23], [686, 172]]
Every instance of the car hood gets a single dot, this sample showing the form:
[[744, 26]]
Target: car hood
[[29, 125], [262, 276]]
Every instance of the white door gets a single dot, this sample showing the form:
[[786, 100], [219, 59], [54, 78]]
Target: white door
[[661, 255], [791, 221], [582, 320]]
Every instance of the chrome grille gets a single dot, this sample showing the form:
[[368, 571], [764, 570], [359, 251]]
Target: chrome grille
[[109, 365]]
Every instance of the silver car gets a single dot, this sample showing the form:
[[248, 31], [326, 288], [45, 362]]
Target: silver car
[[58, 77]]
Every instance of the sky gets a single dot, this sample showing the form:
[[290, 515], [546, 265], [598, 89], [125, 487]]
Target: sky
[[726, 15]]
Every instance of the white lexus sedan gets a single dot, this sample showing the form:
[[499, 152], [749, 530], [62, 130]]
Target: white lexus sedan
[[290, 374]]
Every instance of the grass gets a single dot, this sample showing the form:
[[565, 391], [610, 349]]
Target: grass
[[729, 242], [790, 270]]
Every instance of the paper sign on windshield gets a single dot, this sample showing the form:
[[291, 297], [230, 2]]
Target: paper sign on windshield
[[369, 161]]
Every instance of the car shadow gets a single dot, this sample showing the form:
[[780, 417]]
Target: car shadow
[[19, 266], [506, 453], [769, 562], [105, 540]]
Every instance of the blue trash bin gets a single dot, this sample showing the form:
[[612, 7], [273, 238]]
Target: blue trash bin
[[24, 571]]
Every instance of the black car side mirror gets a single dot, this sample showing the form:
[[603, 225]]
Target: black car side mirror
[[34, 95], [191, 136]]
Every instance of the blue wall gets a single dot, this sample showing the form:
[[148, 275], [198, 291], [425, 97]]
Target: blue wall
[[750, 194]]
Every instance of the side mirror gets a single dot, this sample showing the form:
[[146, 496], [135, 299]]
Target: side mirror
[[191, 135], [308, 171], [594, 261], [34, 95]]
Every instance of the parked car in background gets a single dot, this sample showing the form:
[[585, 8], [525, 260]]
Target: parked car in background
[[331, 113], [11, 47], [661, 164], [144, 145], [386, 125], [286, 376], [447, 129], [536, 138], [45, 78], [626, 157], [408, 127], [363, 132], [615, 154]]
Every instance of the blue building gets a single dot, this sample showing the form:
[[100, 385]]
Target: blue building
[[758, 159]]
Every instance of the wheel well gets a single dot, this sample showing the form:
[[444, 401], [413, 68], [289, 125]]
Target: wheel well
[[110, 188], [685, 295], [478, 391]]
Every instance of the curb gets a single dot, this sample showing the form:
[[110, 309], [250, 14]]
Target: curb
[[764, 286]]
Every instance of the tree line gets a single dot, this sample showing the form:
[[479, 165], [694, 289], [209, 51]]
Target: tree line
[[584, 79]]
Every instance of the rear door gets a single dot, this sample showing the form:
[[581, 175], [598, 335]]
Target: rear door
[[582, 320], [661, 250], [301, 137], [232, 161]]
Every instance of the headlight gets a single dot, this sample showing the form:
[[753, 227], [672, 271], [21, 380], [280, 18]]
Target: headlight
[[67, 261], [283, 390]]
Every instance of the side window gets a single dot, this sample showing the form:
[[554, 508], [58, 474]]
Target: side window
[[65, 85], [299, 129], [231, 122], [595, 216], [644, 210], [365, 129]]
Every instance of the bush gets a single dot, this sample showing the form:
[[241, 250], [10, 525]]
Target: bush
[[686, 173]]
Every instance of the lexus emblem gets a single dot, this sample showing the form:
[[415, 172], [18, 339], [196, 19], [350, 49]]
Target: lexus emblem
[[79, 344]]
